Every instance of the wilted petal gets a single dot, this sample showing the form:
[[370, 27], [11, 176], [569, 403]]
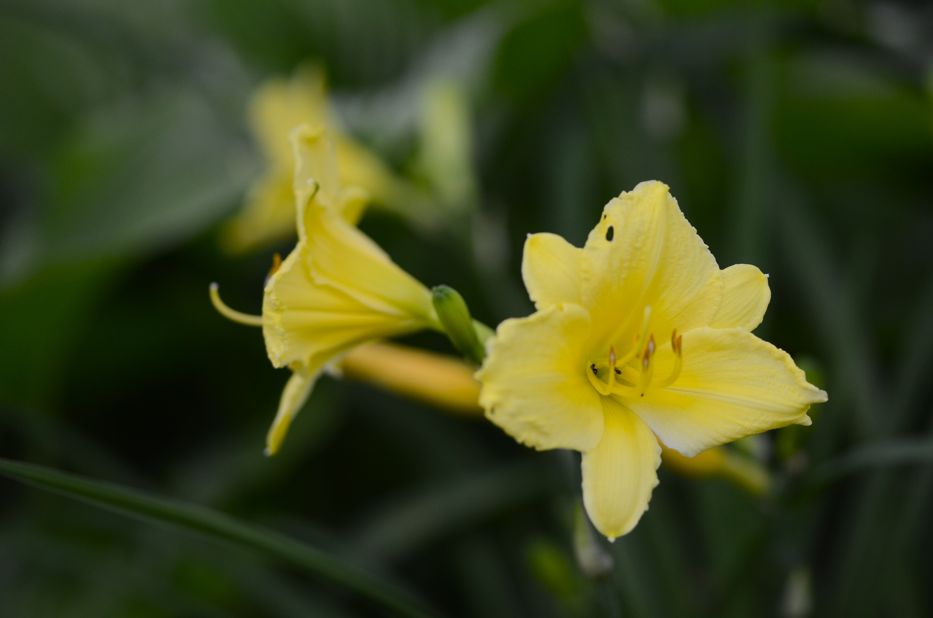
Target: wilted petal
[[294, 397]]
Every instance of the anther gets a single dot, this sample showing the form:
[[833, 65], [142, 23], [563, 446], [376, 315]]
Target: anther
[[648, 352], [677, 347], [612, 368], [647, 368], [276, 264]]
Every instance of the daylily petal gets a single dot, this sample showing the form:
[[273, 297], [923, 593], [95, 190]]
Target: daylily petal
[[294, 396], [269, 212], [732, 385], [347, 259], [316, 178], [620, 473], [282, 104], [644, 253], [359, 167], [745, 298], [551, 270], [343, 257], [533, 381], [306, 323], [315, 165]]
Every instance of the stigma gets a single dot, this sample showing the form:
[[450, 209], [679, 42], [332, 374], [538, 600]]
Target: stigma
[[232, 314]]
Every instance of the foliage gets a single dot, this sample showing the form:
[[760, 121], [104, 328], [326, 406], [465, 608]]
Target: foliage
[[798, 137]]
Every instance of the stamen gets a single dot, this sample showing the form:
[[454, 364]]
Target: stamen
[[232, 314], [641, 339], [677, 346], [647, 367], [276, 265], [601, 387], [612, 368], [645, 330]]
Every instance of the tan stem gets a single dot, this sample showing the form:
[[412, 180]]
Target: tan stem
[[435, 379]]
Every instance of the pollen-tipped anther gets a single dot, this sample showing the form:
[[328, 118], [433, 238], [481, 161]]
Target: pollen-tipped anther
[[677, 347], [647, 367], [276, 265]]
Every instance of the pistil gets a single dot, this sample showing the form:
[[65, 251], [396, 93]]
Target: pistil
[[232, 314]]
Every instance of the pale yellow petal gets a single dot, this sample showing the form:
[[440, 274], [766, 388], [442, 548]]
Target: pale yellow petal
[[344, 257], [551, 270], [359, 167], [745, 297], [268, 214], [732, 385], [643, 253], [352, 203], [533, 381], [294, 397], [280, 105], [307, 323], [620, 473], [315, 165]]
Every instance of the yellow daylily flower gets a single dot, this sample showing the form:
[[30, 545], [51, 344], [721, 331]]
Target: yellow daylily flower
[[335, 290], [277, 109], [638, 337]]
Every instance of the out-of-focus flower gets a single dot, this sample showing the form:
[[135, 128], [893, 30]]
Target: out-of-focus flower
[[445, 157], [638, 337], [278, 107], [335, 290]]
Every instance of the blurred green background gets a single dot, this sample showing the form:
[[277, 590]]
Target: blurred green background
[[797, 136]]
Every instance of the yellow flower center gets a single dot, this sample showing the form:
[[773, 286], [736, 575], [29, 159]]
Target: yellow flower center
[[633, 372]]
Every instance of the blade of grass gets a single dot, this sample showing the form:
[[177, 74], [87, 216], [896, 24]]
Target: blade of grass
[[844, 329], [916, 358], [837, 318], [216, 525], [894, 453], [451, 506]]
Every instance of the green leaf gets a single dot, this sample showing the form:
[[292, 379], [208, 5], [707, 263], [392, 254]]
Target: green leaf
[[401, 528], [216, 525]]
